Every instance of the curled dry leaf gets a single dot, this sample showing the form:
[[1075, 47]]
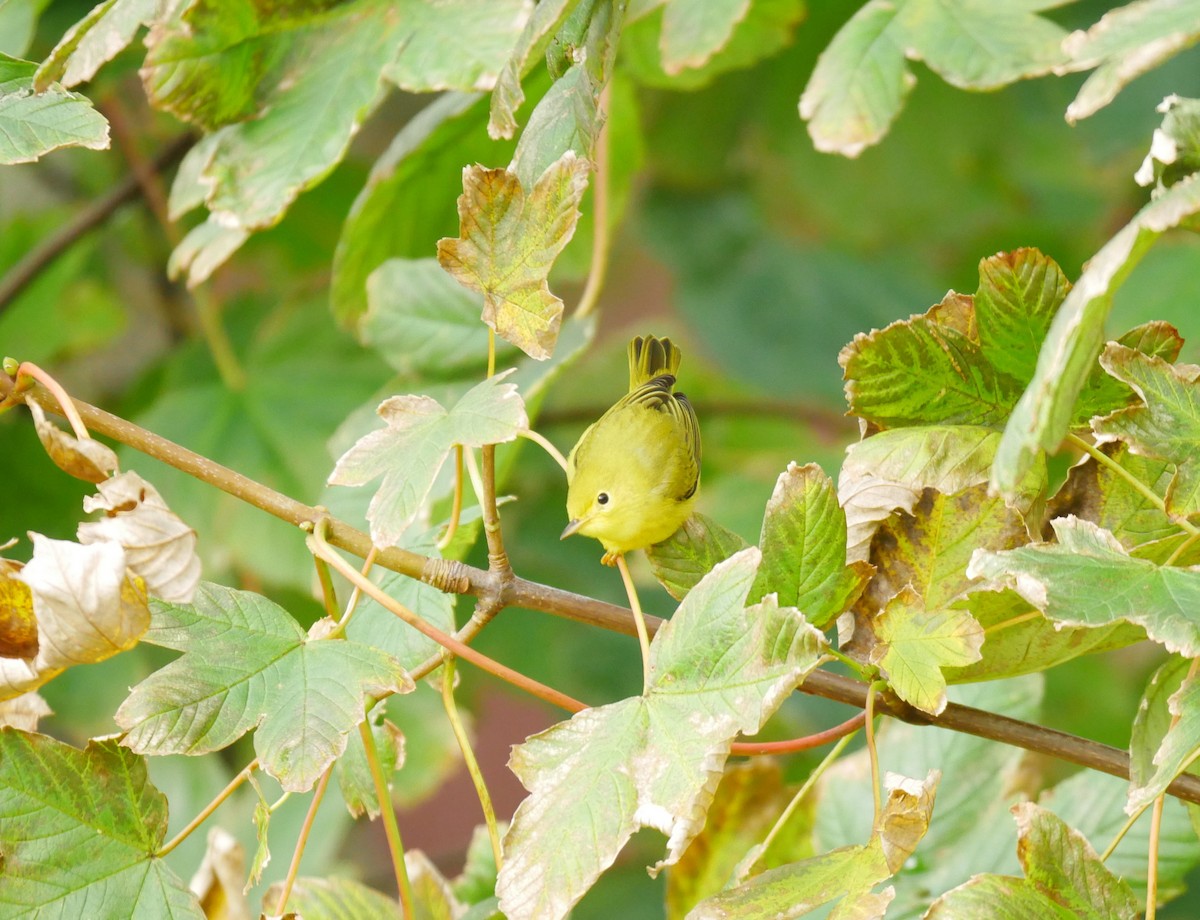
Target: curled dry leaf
[[18, 626], [82, 458], [218, 882], [23, 712], [159, 547], [87, 607]]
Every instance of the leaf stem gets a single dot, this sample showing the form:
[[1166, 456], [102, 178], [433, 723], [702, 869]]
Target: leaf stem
[[600, 239], [328, 593], [545, 444], [388, 813], [208, 809], [744, 869], [1012, 621], [1125, 828], [849, 662], [208, 311], [491, 365], [1152, 857], [872, 752], [472, 764], [794, 745], [355, 596], [70, 413], [1182, 548], [302, 840], [456, 508], [638, 618], [317, 545]]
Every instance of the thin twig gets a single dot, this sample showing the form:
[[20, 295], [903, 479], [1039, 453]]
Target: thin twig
[[456, 508], [390, 828], [208, 809], [97, 212], [545, 445], [873, 753], [464, 746], [302, 839], [808, 742]]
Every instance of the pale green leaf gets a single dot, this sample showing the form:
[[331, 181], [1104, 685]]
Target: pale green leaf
[[1166, 426], [803, 543], [765, 29], [455, 45], [915, 644], [1087, 579], [862, 77], [1174, 147], [248, 666], [717, 668], [927, 370], [419, 175], [355, 778], [18, 21], [1158, 749], [567, 118], [477, 881], [1126, 43], [680, 561], [96, 39], [204, 249], [79, 829], [749, 799], [508, 94], [334, 899], [1043, 415], [1103, 393], [432, 895], [695, 30], [33, 124], [410, 450], [508, 241], [1019, 293], [888, 472], [997, 897], [421, 321]]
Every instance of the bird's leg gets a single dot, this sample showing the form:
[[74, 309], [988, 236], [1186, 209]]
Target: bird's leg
[[610, 558]]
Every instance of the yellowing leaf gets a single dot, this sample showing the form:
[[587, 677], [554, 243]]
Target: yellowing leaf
[[18, 625], [159, 547], [915, 644], [412, 447], [83, 458], [508, 241]]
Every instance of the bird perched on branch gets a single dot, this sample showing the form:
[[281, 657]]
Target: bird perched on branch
[[633, 476]]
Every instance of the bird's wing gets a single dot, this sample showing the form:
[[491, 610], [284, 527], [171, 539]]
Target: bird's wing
[[657, 394]]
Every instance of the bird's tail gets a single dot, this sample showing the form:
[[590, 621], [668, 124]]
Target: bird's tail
[[650, 357]]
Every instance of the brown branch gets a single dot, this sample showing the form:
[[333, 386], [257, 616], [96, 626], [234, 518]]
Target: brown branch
[[37, 259], [456, 577]]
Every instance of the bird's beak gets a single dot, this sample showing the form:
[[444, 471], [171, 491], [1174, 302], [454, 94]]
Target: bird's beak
[[572, 528]]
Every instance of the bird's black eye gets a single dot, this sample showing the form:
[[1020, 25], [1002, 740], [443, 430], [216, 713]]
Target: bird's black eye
[[602, 498]]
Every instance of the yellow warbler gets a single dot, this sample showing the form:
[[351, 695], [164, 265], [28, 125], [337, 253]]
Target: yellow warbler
[[633, 476]]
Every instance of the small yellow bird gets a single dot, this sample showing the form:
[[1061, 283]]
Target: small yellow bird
[[634, 475]]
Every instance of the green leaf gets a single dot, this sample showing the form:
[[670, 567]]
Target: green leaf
[[1087, 579], [695, 30], [717, 668], [685, 557], [748, 800], [456, 45], [18, 22], [915, 644], [1063, 878], [423, 322], [419, 175], [804, 548], [334, 899], [203, 250], [1126, 43], [354, 776], [1158, 751], [1175, 147], [1165, 427], [33, 124], [764, 30], [891, 469], [566, 119], [247, 666], [862, 77], [477, 882], [848, 873], [93, 41], [78, 833], [508, 95], [410, 450], [1043, 415], [508, 241], [1019, 293], [1103, 393]]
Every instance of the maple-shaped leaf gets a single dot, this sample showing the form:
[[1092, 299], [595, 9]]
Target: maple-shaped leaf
[[89, 852], [1088, 579], [803, 543], [1064, 878], [717, 669], [1167, 424], [159, 547], [847, 874], [914, 644], [508, 240], [87, 608], [247, 665], [83, 458], [410, 451]]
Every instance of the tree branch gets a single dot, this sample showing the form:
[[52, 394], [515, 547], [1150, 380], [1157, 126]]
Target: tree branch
[[459, 578]]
